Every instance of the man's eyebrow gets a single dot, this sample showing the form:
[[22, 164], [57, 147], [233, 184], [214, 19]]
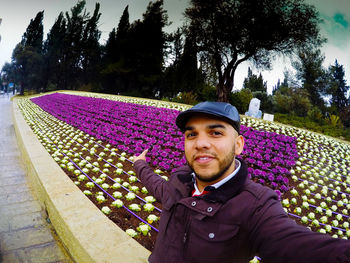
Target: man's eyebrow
[[211, 126], [214, 126], [189, 128]]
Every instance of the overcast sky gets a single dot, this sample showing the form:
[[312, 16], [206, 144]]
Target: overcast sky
[[16, 15]]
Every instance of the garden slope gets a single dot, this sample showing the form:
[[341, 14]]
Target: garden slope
[[88, 235]]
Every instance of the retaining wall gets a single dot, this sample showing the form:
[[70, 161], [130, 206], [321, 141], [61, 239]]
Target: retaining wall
[[87, 234]]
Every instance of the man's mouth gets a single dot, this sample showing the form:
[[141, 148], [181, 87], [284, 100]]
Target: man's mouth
[[203, 159]]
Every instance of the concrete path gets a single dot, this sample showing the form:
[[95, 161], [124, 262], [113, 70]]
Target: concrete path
[[26, 234]]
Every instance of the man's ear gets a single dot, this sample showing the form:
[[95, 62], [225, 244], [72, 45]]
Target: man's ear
[[239, 145]]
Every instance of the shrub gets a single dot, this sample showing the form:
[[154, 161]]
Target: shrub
[[186, 98], [307, 123], [267, 102], [292, 100], [334, 121], [315, 114], [241, 99], [208, 93]]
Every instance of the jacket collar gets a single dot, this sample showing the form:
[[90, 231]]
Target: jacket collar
[[222, 194]]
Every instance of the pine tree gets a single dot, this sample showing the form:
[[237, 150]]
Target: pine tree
[[54, 53], [91, 50], [145, 45], [313, 75], [27, 55], [151, 52], [115, 69], [338, 89], [80, 47], [184, 75], [254, 82], [72, 46]]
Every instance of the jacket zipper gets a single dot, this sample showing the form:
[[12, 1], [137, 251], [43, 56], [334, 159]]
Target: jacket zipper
[[186, 235]]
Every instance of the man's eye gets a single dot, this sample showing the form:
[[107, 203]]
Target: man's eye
[[216, 133], [189, 135]]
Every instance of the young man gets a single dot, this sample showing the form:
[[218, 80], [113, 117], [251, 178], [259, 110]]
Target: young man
[[212, 212]]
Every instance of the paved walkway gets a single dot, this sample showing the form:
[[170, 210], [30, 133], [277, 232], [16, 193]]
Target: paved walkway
[[25, 232]]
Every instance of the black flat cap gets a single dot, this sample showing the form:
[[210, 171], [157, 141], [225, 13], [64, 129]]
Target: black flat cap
[[221, 110]]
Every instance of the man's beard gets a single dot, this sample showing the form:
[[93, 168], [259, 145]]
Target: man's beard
[[223, 167]]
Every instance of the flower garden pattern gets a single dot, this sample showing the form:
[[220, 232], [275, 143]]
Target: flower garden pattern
[[93, 138]]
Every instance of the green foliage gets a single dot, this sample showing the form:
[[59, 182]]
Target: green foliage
[[27, 55], [186, 98], [335, 121], [292, 100], [53, 54], [315, 114], [241, 99], [267, 102], [91, 51], [306, 123], [250, 30], [208, 93], [254, 82], [115, 69], [314, 77], [345, 116], [338, 88], [137, 53], [9, 73], [184, 75]]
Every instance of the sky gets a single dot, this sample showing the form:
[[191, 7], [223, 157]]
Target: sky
[[16, 16]]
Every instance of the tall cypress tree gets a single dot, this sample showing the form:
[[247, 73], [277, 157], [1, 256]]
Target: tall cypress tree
[[254, 82], [91, 50], [28, 55], [72, 46], [338, 89], [116, 53], [54, 52], [148, 57]]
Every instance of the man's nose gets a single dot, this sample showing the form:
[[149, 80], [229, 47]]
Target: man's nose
[[202, 141]]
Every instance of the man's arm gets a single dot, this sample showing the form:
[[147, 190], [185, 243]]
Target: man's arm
[[156, 185], [277, 238]]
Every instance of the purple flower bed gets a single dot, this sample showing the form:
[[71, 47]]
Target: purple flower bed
[[134, 127]]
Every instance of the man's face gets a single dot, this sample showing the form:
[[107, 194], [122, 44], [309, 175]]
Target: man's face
[[210, 148]]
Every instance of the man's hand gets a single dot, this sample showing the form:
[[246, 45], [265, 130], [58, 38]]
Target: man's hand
[[142, 156]]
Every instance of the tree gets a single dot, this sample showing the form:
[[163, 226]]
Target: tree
[[136, 66], [91, 50], [254, 83], [116, 55], [314, 78], [54, 53], [27, 55], [233, 31], [151, 53], [338, 88], [9, 74], [141, 65], [241, 99], [72, 50], [72, 45], [184, 75], [292, 100]]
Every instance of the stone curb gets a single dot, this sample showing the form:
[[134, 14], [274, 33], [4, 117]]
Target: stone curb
[[87, 234]]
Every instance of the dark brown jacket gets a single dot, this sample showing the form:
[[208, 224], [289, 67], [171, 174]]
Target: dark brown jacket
[[233, 223]]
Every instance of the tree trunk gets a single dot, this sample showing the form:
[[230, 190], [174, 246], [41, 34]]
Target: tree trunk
[[220, 93], [224, 89]]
